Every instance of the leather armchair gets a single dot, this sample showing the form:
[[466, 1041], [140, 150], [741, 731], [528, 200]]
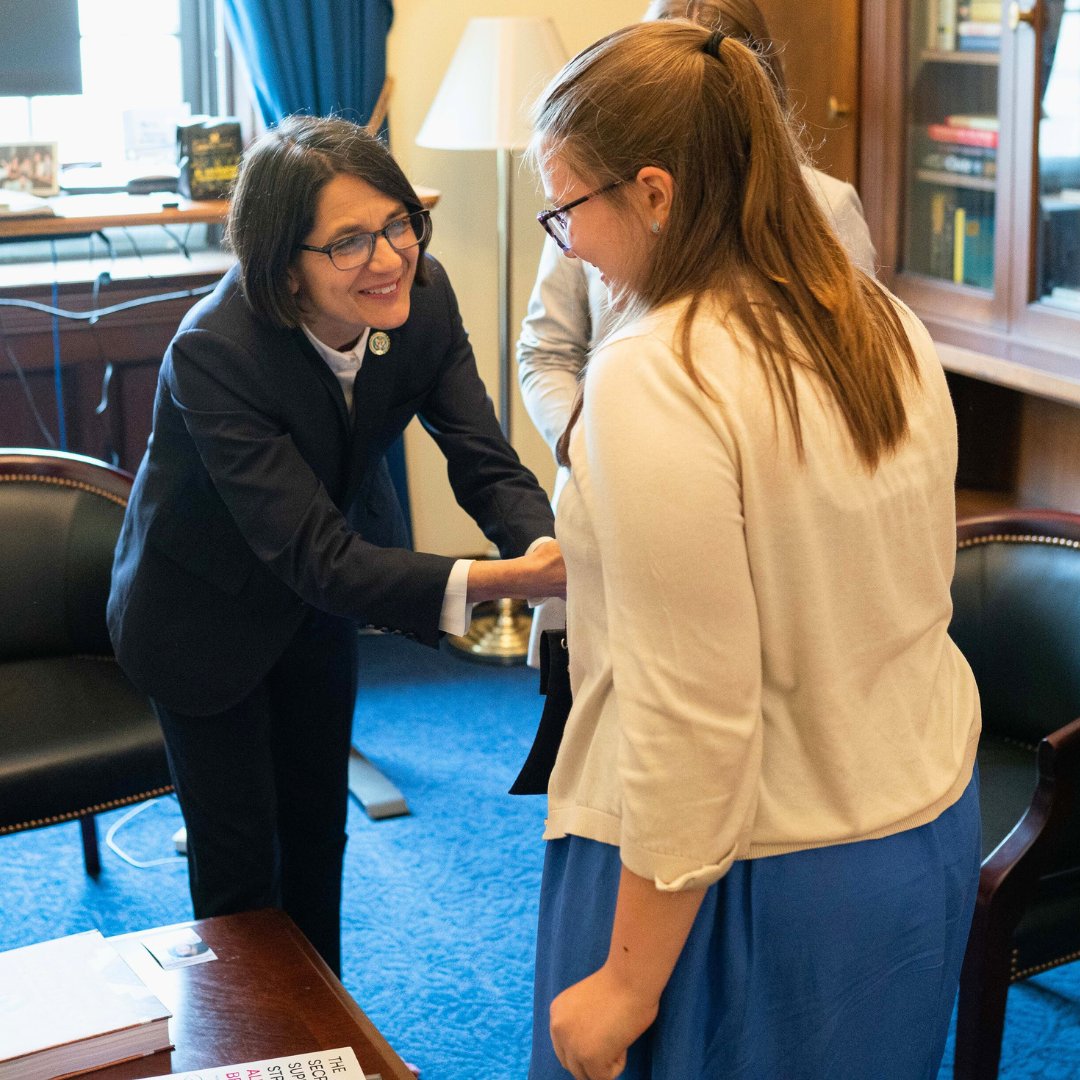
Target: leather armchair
[[76, 737], [1016, 618]]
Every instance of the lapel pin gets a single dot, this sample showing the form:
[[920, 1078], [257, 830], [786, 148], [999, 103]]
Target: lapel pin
[[380, 343]]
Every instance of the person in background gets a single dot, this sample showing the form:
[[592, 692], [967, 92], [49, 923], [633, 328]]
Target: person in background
[[263, 527], [568, 311], [762, 823]]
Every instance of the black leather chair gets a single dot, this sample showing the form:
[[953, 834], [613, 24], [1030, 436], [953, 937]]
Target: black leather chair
[[76, 737], [1016, 618]]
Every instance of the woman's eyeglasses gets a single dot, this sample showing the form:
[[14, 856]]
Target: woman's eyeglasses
[[352, 252], [555, 222]]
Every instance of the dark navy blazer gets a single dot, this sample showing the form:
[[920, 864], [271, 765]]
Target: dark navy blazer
[[257, 499]]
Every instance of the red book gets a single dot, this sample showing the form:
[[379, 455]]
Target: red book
[[963, 135]]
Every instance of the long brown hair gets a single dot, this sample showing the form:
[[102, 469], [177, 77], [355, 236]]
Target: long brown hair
[[744, 230], [741, 19]]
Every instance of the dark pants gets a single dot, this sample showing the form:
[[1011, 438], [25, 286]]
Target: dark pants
[[263, 787]]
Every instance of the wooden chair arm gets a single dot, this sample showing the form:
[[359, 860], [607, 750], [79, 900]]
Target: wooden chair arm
[[1012, 868]]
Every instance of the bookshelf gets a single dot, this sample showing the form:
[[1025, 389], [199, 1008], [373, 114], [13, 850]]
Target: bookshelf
[[970, 176]]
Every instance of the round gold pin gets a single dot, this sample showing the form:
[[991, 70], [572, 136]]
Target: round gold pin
[[380, 343]]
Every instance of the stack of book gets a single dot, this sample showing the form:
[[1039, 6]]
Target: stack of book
[[963, 25], [961, 144], [961, 242], [71, 1005], [978, 25]]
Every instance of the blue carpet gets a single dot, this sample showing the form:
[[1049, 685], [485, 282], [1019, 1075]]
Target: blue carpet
[[440, 906]]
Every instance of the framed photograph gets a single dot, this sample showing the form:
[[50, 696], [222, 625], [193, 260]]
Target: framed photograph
[[32, 167]]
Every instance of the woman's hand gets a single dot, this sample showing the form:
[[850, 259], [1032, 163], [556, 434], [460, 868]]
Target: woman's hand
[[541, 573], [593, 1023]]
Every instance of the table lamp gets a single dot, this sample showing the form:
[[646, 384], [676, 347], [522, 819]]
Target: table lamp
[[500, 67]]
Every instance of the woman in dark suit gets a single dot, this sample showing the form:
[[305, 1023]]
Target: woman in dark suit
[[263, 528]]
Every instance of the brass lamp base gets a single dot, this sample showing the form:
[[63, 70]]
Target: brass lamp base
[[499, 633]]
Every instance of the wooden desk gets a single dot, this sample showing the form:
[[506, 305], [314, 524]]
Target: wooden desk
[[82, 214], [266, 995]]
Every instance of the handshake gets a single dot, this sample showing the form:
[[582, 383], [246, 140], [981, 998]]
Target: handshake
[[540, 573]]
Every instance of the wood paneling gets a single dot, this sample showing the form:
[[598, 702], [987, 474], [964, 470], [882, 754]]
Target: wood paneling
[[819, 47]]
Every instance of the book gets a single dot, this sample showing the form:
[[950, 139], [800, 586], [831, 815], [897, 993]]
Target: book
[[940, 254], [977, 43], [23, 204], [73, 1004], [959, 224], [978, 28], [962, 237], [961, 160], [978, 11], [946, 25], [982, 121], [931, 9], [340, 1064], [208, 153], [965, 136]]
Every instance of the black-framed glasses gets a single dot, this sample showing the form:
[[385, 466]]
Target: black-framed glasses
[[555, 222], [352, 252]]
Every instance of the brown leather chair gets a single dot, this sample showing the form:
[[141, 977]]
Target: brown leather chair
[[1016, 618], [76, 738]]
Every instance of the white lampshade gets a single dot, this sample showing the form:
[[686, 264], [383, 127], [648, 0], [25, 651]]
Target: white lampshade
[[499, 69]]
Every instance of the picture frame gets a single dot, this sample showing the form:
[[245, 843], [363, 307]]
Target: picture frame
[[30, 167]]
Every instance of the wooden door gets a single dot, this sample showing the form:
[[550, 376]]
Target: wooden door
[[819, 47]]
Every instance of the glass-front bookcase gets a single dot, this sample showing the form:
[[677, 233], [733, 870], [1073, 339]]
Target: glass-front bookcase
[[953, 131], [992, 148], [970, 166], [970, 175], [1057, 157]]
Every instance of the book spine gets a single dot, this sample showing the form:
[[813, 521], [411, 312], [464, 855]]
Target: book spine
[[946, 25], [931, 24], [960, 163], [959, 229], [977, 43], [948, 133], [980, 10], [982, 121], [940, 254], [977, 28]]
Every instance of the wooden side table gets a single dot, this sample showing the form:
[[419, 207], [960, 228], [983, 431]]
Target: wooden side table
[[268, 994]]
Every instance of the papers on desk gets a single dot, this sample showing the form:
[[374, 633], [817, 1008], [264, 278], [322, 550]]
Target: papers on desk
[[23, 204], [340, 1064], [178, 948], [73, 1004]]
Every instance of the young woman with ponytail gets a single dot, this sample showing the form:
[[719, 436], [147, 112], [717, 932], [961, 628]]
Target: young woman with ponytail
[[763, 831]]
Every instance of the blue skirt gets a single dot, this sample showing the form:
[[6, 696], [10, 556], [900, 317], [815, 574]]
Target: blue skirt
[[839, 963]]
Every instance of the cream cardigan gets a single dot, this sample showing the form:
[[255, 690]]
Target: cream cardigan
[[758, 646]]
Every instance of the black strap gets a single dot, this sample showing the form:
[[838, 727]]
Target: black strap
[[555, 685]]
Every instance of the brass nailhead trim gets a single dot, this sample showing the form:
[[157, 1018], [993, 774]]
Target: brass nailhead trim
[[1018, 538], [61, 481], [1016, 975], [112, 804], [98, 808]]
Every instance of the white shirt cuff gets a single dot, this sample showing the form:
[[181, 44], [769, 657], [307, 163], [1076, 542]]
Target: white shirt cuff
[[534, 601], [456, 613]]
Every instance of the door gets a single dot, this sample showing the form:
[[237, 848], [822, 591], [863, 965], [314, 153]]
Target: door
[[819, 48]]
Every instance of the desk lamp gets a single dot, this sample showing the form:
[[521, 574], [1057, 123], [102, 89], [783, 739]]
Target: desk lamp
[[500, 67]]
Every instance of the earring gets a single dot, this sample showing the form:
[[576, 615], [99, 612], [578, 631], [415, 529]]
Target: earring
[[656, 228]]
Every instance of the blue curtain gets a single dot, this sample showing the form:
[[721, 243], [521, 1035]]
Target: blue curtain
[[317, 57], [312, 56]]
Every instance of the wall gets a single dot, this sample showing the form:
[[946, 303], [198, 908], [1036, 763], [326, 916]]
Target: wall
[[422, 41]]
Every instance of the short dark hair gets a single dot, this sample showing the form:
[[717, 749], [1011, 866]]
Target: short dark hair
[[275, 194]]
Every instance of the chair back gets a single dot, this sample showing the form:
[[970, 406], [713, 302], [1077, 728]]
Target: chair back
[[60, 516], [1016, 617]]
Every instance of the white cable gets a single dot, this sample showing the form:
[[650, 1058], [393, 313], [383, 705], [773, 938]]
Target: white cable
[[138, 808]]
